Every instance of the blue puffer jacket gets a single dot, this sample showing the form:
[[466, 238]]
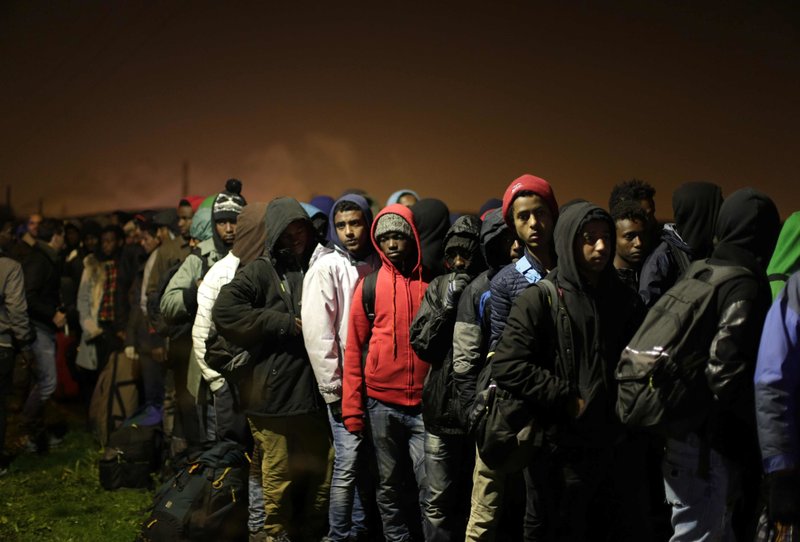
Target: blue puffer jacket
[[506, 285]]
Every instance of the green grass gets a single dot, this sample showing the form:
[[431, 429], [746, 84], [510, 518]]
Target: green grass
[[57, 496]]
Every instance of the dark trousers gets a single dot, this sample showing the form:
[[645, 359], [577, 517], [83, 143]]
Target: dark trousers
[[588, 494], [6, 380]]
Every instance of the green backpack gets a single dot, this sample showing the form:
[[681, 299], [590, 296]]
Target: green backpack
[[661, 373]]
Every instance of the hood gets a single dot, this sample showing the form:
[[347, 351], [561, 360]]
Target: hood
[[280, 213], [465, 232], [670, 235], [695, 207], [323, 203], [534, 184], [747, 229], [202, 228], [488, 205], [251, 233], [432, 219], [311, 210], [786, 258], [395, 197], [567, 227], [492, 230], [408, 216], [365, 209], [194, 201]]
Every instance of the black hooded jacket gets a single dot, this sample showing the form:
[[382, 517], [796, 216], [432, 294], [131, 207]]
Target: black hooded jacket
[[256, 311], [747, 230], [472, 329], [432, 334], [602, 321], [432, 219], [695, 207]]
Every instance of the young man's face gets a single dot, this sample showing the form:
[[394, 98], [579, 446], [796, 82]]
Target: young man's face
[[351, 228], [58, 241], [73, 237], [33, 224], [109, 243], [458, 259], [593, 247], [149, 242], [533, 222], [185, 215], [295, 238], [163, 233], [396, 246], [226, 229], [6, 235], [90, 242], [631, 242]]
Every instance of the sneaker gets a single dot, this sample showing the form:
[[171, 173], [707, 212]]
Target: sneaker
[[3, 471], [27, 445], [54, 441], [280, 537]]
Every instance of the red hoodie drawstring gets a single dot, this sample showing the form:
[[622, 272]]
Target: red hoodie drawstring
[[394, 315]]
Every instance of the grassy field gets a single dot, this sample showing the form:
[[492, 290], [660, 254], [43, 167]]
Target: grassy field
[[57, 496]]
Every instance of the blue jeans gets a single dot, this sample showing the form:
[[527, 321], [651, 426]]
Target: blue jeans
[[701, 503], [397, 433], [346, 516], [44, 371], [444, 457], [257, 515]]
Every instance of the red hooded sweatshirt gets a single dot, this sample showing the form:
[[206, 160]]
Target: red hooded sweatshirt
[[393, 372]]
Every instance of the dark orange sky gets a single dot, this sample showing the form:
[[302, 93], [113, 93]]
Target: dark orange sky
[[102, 102]]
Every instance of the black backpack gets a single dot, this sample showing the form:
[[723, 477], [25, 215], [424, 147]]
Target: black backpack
[[206, 500], [132, 455], [661, 373]]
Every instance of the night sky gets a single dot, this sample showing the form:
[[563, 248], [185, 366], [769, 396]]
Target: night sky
[[102, 102]]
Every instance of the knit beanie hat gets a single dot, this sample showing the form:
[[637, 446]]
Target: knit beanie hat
[[392, 223], [228, 203], [533, 184]]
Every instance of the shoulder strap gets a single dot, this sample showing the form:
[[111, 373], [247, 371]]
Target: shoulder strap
[[368, 301], [783, 277], [368, 295], [562, 324], [718, 273]]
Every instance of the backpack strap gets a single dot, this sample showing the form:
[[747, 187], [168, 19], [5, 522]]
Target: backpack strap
[[368, 295], [681, 258], [782, 277], [716, 274], [562, 324], [368, 285]]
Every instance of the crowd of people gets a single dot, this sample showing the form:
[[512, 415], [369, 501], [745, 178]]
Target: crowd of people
[[345, 343]]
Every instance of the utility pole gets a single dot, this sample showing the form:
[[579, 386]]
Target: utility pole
[[185, 179]]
